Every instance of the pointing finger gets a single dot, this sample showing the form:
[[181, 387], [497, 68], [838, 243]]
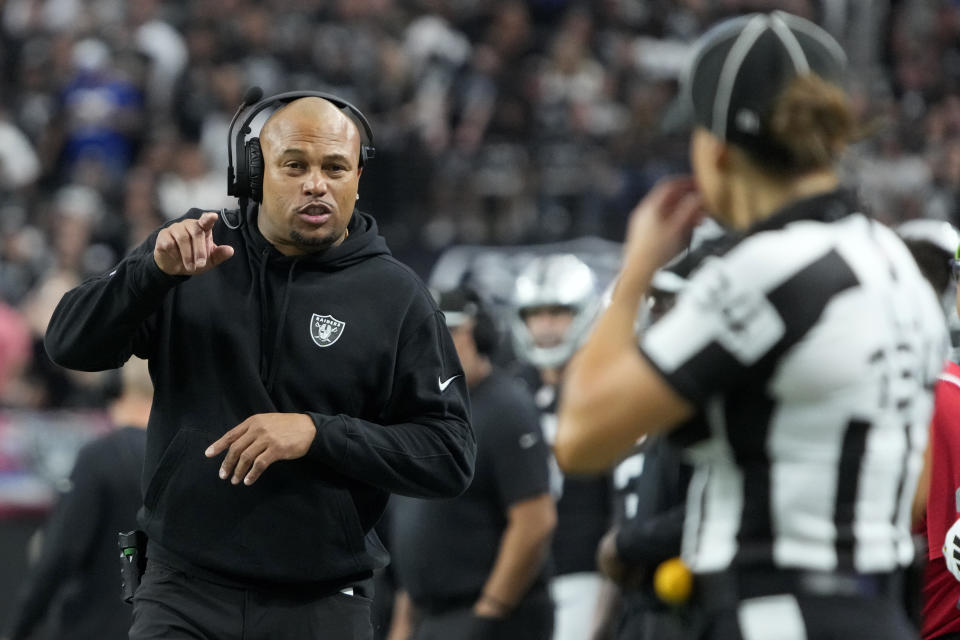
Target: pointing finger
[[208, 220], [184, 242]]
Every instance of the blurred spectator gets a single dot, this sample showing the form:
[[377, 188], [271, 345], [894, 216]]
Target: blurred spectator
[[140, 207], [19, 164], [101, 114], [76, 578], [163, 45], [191, 183], [74, 219], [15, 354]]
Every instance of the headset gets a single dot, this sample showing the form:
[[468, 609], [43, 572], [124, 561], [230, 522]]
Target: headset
[[486, 335], [246, 182]]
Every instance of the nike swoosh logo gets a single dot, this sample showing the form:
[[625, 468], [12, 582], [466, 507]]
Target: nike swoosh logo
[[527, 440], [446, 383]]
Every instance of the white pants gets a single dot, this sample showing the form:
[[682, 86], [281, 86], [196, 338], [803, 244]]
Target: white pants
[[575, 596]]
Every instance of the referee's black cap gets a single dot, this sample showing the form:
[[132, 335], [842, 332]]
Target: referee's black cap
[[741, 65]]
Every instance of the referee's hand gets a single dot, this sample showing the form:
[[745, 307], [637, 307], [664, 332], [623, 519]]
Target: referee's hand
[[661, 224], [259, 441], [186, 248]]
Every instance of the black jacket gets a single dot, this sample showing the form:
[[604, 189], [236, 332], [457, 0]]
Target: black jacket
[[349, 336], [78, 568]]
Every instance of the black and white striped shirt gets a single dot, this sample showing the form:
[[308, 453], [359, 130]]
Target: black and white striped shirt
[[811, 348]]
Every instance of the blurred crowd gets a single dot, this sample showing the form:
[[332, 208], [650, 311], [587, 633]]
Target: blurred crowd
[[496, 122]]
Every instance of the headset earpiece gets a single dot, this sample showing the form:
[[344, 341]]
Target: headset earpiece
[[255, 169], [486, 335]]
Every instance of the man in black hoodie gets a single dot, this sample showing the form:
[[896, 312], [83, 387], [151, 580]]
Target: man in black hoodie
[[302, 375]]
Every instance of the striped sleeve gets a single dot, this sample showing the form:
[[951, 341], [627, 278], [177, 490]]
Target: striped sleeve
[[735, 320]]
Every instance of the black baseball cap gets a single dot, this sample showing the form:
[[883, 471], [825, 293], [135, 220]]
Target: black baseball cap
[[739, 68], [458, 305]]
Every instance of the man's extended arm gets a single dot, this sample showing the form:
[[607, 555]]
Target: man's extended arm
[[97, 325], [523, 549]]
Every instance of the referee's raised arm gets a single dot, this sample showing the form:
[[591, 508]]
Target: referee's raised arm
[[612, 395]]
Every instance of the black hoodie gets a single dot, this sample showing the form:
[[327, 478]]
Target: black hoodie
[[349, 336]]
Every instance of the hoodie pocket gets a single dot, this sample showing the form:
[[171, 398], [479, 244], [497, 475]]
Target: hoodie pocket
[[289, 526], [190, 510], [307, 530], [167, 466]]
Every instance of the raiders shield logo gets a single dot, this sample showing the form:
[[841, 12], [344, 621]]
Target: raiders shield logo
[[325, 330]]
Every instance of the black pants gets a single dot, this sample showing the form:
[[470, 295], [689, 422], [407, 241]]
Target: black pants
[[172, 605], [643, 624], [531, 620], [789, 617]]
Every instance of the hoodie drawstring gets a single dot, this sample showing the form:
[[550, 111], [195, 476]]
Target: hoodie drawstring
[[272, 375], [264, 315]]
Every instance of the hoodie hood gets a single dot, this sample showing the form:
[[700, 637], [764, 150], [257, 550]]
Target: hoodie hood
[[363, 241]]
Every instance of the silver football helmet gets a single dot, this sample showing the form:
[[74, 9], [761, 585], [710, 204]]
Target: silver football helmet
[[945, 237], [556, 281], [939, 233]]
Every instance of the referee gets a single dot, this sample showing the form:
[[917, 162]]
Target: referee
[[810, 348]]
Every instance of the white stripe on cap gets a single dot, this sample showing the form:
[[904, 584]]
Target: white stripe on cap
[[456, 318], [791, 44], [818, 34], [731, 69]]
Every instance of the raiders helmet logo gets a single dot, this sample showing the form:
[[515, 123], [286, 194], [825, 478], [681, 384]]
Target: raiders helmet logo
[[325, 330]]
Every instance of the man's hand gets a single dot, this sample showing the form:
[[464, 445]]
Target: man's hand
[[613, 567], [488, 608], [259, 441], [608, 561], [187, 248]]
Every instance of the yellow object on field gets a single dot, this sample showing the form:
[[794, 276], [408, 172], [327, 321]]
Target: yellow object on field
[[673, 581]]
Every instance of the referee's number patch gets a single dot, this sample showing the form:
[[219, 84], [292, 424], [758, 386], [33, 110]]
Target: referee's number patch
[[746, 323]]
